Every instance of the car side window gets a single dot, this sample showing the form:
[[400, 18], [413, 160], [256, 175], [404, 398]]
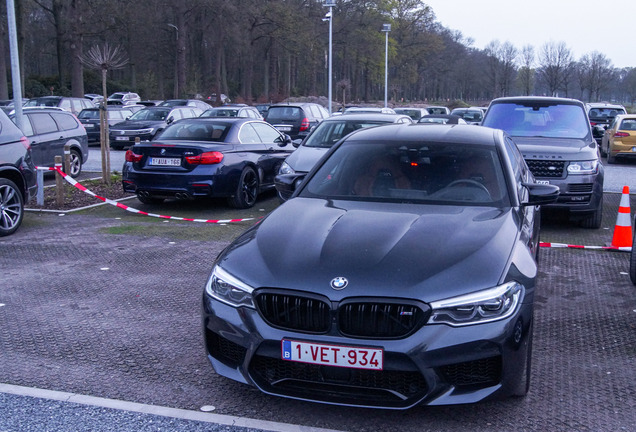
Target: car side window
[[176, 114], [43, 123], [248, 134], [27, 127], [64, 122], [65, 104], [267, 133]]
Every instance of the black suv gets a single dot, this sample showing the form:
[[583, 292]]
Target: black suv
[[90, 119], [295, 119], [18, 182], [555, 138]]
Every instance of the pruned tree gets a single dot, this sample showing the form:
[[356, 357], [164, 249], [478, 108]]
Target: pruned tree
[[526, 70], [105, 58]]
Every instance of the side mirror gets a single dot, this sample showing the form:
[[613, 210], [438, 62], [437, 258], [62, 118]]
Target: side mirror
[[287, 184], [296, 143], [539, 194], [170, 120], [284, 140]]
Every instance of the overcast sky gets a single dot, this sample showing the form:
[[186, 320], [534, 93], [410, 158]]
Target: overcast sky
[[584, 25]]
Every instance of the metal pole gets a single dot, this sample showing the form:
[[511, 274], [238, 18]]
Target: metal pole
[[386, 69], [330, 57], [15, 63]]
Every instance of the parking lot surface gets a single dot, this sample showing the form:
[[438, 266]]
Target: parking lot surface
[[107, 304]]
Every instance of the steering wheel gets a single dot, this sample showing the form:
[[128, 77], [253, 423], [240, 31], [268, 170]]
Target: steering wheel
[[469, 183], [448, 193]]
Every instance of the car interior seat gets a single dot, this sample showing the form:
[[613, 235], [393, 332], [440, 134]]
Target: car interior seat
[[383, 174]]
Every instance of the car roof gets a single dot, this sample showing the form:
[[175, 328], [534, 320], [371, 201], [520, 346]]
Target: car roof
[[222, 120], [592, 105], [375, 116], [547, 99]]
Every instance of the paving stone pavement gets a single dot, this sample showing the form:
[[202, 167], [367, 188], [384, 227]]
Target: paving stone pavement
[[93, 308]]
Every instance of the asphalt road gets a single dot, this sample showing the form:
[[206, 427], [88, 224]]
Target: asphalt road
[[100, 330]]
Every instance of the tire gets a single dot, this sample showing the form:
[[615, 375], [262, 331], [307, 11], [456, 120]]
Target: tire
[[246, 191], [594, 221], [76, 164], [632, 259], [523, 386], [149, 199], [602, 150], [11, 207]]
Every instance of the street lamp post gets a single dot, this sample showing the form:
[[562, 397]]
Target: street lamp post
[[329, 16], [386, 28], [176, 62]]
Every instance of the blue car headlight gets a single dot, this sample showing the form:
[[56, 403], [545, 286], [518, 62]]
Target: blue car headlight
[[480, 307], [583, 167], [227, 289]]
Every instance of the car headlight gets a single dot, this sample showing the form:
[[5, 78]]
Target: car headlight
[[227, 289], [148, 131], [285, 169], [583, 167], [484, 306]]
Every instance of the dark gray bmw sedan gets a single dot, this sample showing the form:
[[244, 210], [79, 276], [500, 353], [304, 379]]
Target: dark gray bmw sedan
[[401, 272]]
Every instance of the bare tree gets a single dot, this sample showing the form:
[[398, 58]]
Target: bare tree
[[555, 60], [526, 71], [105, 58]]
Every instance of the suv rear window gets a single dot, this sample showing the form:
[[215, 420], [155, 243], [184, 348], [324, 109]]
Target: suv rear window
[[282, 114], [539, 120], [605, 113]]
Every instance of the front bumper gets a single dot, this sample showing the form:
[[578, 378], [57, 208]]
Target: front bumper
[[436, 365]]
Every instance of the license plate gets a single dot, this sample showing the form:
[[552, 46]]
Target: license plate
[[165, 161], [543, 182], [332, 355], [121, 138], [284, 128]]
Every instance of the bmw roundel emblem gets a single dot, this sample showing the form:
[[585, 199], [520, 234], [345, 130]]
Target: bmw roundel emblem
[[339, 283]]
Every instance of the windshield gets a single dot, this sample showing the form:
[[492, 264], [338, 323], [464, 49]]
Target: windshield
[[432, 173], [329, 132], [539, 119], [48, 102], [415, 114], [150, 114], [88, 114], [116, 96], [220, 112], [195, 131]]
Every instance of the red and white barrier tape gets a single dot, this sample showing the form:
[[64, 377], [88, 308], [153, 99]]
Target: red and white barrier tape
[[563, 245], [79, 186]]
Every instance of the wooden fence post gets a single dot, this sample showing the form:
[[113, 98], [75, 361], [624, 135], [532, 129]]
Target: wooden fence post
[[59, 182]]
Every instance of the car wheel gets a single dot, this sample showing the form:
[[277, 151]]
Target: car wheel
[[523, 385], [76, 164], [632, 260], [247, 190], [149, 199], [11, 207], [594, 221]]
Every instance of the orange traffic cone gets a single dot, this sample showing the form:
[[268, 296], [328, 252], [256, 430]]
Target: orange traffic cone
[[623, 229]]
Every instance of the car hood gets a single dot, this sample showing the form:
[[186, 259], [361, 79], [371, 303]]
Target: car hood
[[126, 125], [304, 158], [402, 250], [556, 148]]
